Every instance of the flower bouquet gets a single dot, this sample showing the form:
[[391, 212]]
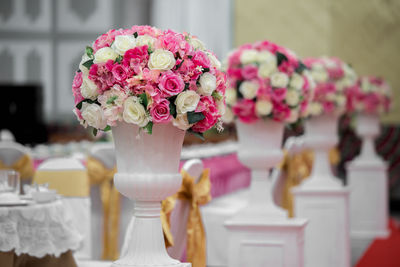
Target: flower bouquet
[[160, 82], [268, 87]]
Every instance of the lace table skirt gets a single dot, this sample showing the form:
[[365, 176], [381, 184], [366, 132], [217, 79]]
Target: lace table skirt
[[37, 230]]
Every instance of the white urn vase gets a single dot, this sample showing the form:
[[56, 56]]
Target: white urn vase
[[367, 127], [260, 150], [147, 173], [321, 135]]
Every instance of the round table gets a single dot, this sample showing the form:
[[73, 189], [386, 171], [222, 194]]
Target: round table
[[37, 235]]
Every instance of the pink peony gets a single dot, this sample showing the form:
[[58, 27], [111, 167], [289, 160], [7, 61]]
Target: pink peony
[[281, 111], [136, 58], [159, 111], [278, 94], [170, 84], [201, 59], [245, 110]]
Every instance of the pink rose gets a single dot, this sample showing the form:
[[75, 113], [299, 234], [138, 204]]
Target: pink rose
[[245, 110], [281, 111], [170, 84], [201, 59], [119, 72], [328, 106], [335, 73], [278, 94], [249, 72], [159, 111]]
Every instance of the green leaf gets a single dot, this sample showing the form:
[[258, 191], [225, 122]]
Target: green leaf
[[149, 127], [118, 59], [111, 99], [186, 86], [206, 70], [190, 56], [301, 68], [194, 117], [281, 57], [216, 95], [79, 105], [78, 71], [198, 135], [108, 128], [135, 34], [143, 100], [149, 50], [180, 64], [89, 51], [94, 131], [239, 94], [172, 107], [88, 64]]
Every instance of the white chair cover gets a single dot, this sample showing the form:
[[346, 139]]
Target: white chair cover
[[79, 207]]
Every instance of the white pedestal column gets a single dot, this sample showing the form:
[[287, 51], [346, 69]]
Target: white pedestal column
[[367, 177], [147, 173], [260, 234], [324, 201]]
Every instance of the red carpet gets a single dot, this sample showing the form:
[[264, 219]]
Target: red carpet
[[384, 252]]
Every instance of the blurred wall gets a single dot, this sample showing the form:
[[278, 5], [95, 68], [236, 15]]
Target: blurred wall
[[364, 33]]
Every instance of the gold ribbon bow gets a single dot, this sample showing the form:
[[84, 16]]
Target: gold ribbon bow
[[196, 194], [24, 165], [102, 176], [298, 167]]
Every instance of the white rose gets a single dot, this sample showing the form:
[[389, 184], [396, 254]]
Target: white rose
[[181, 122], [82, 68], [315, 109], [187, 101], [94, 116], [230, 96], [340, 100], [81, 121], [134, 112], [221, 107], [297, 81], [292, 97], [161, 59], [197, 44], [266, 69], [279, 80], [365, 85], [142, 40], [330, 96], [208, 83], [263, 107], [248, 89], [319, 75], [214, 61], [248, 56], [228, 116], [317, 66], [88, 88], [104, 54], [266, 56], [123, 43]]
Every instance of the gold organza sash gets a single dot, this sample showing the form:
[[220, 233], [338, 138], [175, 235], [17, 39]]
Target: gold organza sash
[[196, 194], [297, 168], [110, 198], [24, 165]]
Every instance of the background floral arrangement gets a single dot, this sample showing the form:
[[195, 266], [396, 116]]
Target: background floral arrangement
[[333, 78], [266, 81], [143, 76], [371, 95]]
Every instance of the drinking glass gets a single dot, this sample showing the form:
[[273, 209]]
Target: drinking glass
[[9, 182]]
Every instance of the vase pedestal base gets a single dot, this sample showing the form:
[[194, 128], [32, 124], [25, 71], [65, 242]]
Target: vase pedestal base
[[277, 242], [327, 240], [175, 265], [369, 198]]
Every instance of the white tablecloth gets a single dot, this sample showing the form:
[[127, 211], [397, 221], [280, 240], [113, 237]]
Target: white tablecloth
[[37, 230]]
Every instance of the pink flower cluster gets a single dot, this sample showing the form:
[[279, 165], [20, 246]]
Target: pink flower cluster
[[371, 95], [267, 81], [143, 75], [333, 78]]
